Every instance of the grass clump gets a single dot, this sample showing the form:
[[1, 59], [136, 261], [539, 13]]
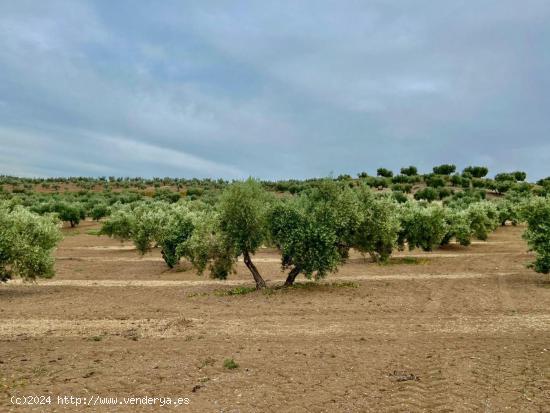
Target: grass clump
[[230, 364], [95, 338], [407, 260], [235, 291], [322, 286]]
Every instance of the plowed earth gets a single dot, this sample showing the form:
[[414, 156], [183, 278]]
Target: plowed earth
[[455, 330]]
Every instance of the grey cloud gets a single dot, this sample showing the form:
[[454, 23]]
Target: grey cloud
[[275, 90]]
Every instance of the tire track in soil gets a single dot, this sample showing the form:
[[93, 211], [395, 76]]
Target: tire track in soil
[[433, 391], [436, 389]]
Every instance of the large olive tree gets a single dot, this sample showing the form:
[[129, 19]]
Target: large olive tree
[[314, 231], [243, 208], [537, 215], [422, 226], [27, 241], [379, 225]]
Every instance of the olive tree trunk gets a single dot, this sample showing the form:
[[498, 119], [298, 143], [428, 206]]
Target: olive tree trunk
[[292, 276], [260, 283]]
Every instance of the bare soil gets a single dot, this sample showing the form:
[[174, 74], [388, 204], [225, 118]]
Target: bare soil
[[459, 329]]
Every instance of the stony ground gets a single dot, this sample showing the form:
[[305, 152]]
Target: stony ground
[[459, 329]]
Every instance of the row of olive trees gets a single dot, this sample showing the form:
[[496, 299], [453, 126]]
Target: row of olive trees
[[27, 241], [314, 231]]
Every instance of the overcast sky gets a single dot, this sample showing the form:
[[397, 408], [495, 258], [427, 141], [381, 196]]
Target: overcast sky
[[272, 89]]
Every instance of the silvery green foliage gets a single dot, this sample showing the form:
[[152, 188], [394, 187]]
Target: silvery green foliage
[[537, 215], [483, 217], [121, 223], [27, 242], [71, 212], [511, 206], [315, 230], [242, 215], [206, 247], [242, 209], [177, 229], [306, 242], [507, 212], [378, 227], [152, 224], [458, 227], [422, 226]]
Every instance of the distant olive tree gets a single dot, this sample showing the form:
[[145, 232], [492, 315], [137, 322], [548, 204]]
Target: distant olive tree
[[483, 217], [149, 225], [386, 173], [99, 211], [476, 171], [428, 194], [458, 227], [445, 169], [435, 181], [409, 171], [71, 212]]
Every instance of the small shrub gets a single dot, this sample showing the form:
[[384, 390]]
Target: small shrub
[[235, 291]]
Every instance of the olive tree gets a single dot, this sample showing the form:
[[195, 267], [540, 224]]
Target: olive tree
[[379, 225], [476, 171], [384, 172], [149, 225], [537, 234], [178, 228], [428, 194], [508, 211], [409, 171], [445, 169], [315, 231], [243, 208], [71, 212], [120, 224], [206, 247], [483, 218], [458, 227], [99, 211], [422, 226], [27, 241]]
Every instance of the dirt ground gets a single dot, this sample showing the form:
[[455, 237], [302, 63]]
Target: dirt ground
[[459, 329]]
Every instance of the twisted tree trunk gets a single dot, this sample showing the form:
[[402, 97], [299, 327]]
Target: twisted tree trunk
[[292, 276], [260, 283]]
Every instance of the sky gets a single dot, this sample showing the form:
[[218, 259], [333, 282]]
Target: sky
[[274, 90]]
